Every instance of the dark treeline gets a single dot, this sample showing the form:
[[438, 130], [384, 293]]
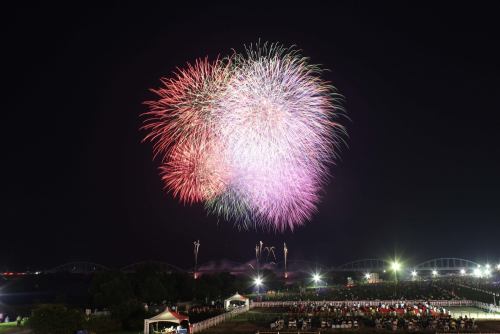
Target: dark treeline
[[125, 295]]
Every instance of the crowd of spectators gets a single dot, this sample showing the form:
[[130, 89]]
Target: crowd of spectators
[[490, 286], [399, 307], [431, 323]]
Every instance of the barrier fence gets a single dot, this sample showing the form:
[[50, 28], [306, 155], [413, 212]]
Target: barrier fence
[[202, 325], [362, 303]]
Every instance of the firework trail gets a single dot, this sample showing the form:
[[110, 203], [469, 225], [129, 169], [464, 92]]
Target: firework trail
[[252, 136]]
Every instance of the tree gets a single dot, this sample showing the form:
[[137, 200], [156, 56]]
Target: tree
[[110, 287], [150, 269], [152, 290], [271, 281], [56, 319], [126, 310]]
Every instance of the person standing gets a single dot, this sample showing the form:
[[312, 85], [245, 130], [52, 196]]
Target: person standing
[[18, 319]]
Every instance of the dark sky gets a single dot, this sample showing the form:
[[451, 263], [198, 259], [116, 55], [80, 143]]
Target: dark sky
[[420, 178]]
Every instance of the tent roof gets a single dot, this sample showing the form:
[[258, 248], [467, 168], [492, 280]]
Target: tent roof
[[237, 297], [169, 316]]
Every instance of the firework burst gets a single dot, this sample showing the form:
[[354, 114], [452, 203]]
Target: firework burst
[[252, 136]]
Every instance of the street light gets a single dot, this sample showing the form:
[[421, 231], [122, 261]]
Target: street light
[[257, 282], [395, 266], [316, 279]]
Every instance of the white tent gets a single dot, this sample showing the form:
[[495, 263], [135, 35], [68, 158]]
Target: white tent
[[167, 316], [236, 297]]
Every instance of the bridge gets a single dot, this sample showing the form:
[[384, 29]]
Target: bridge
[[79, 268], [130, 269], [445, 264], [293, 266], [367, 265]]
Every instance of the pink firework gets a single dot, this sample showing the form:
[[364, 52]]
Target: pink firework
[[275, 117], [252, 136]]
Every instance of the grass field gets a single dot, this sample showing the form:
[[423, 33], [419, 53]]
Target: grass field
[[11, 327]]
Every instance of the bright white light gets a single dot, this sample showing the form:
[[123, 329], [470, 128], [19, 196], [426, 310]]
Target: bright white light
[[488, 266], [434, 272], [367, 276], [414, 273], [498, 266], [462, 271], [316, 277], [487, 272], [258, 281], [477, 272], [395, 266]]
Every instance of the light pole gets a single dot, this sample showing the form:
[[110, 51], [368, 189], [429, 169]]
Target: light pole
[[395, 266], [257, 282], [316, 279]]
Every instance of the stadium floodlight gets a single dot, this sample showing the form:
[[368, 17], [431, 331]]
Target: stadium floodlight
[[477, 272], [462, 272], [487, 272], [414, 273], [316, 277], [367, 276], [395, 266], [434, 272], [487, 266], [258, 281], [498, 266]]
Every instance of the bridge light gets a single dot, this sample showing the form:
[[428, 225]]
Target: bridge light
[[395, 266]]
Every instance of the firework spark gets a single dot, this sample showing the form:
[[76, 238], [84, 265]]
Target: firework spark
[[252, 136]]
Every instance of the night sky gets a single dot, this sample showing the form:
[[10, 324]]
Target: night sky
[[420, 178]]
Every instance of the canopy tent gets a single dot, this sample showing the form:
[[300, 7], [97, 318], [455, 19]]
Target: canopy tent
[[236, 297], [167, 316]]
